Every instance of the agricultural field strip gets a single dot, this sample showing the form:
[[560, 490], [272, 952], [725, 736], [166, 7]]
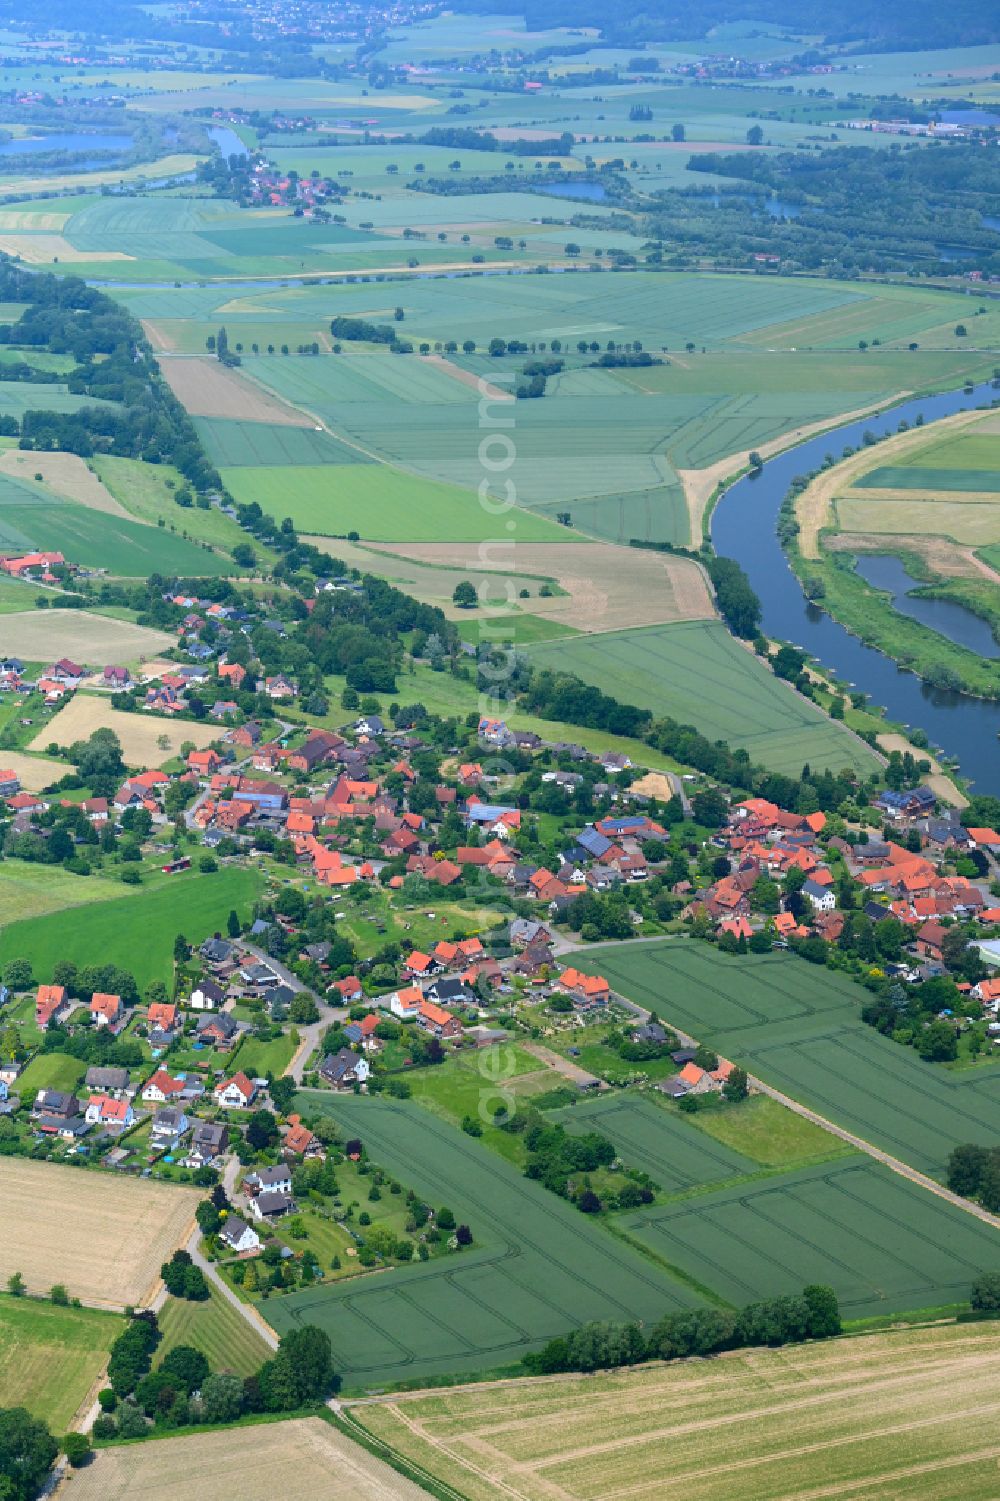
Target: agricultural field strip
[[297, 1460], [695, 671], [882, 1242], [675, 1154], [790, 1411], [810, 1044], [122, 1230], [539, 1267]]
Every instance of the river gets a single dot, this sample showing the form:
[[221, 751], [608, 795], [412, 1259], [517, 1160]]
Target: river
[[744, 527]]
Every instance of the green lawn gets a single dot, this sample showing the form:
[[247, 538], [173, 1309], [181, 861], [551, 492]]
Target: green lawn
[[259, 1058], [28, 890], [136, 932], [143, 490], [50, 1071], [696, 672], [537, 1266], [217, 1329], [771, 1134], [50, 1357], [472, 1083]]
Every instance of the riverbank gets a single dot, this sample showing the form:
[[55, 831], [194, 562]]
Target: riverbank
[[824, 560], [744, 527]]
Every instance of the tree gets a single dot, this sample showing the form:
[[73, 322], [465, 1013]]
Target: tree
[[985, 1295], [282, 1092], [233, 924], [965, 1169], [262, 1130], [16, 1285], [465, 595], [76, 1447], [677, 132], [27, 1450], [824, 1311], [736, 1087], [755, 136], [222, 1394], [186, 1365], [302, 1371], [17, 974]]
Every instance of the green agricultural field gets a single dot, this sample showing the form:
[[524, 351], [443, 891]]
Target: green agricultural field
[[31, 518], [379, 503], [883, 1244], [215, 1328], [105, 932], [926, 477], [50, 1357], [537, 1266], [696, 672], [675, 1154], [799, 1029], [258, 444]]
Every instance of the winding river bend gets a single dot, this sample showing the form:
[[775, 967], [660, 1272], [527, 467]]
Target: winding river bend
[[744, 526]]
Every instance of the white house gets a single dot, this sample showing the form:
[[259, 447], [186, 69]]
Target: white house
[[169, 1125], [102, 1110], [207, 996], [161, 1087], [237, 1093], [238, 1236], [821, 898]]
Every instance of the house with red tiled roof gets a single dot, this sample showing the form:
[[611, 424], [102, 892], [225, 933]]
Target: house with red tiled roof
[[103, 1110], [107, 1010], [50, 1003], [591, 990], [162, 1086], [237, 1093]]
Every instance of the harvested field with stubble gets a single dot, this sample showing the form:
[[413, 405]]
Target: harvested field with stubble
[[302, 1460], [872, 1417], [207, 389], [45, 635], [104, 1237], [607, 588], [140, 734], [67, 475]]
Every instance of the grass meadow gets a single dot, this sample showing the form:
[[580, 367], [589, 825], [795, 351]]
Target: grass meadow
[[381, 504], [50, 1357], [105, 932], [874, 1417], [695, 672]]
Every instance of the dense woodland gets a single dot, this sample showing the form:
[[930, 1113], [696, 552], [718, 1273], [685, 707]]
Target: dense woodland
[[851, 208]]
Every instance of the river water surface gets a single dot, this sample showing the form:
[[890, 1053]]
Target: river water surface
[[744, 527]]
